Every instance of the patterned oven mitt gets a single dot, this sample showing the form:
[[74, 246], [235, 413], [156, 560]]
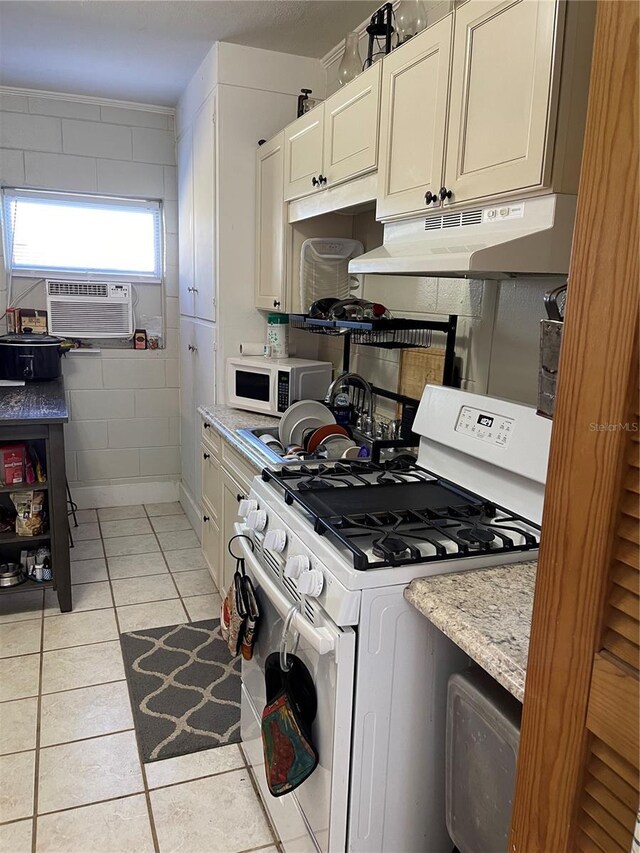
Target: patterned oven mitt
[[289, 753]]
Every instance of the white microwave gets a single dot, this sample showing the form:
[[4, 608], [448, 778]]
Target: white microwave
[[271, 385]]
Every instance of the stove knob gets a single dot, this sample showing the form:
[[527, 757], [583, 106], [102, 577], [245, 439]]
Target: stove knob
[[296, 565], [310, 583], [247, 506], [257, 519], [275, 540]]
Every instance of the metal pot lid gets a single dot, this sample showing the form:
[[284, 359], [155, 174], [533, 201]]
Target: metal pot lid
[[29, 339]]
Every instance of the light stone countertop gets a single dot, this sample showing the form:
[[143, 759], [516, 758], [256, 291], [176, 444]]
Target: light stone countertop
[[227, 420], [487, 612]]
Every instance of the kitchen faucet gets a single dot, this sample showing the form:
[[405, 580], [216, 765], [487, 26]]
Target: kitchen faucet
[[347, 379]]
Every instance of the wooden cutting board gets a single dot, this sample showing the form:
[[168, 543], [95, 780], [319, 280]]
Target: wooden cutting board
[[419, 367]]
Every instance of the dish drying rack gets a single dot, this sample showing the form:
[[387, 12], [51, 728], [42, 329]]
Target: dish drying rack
[[399, 333]]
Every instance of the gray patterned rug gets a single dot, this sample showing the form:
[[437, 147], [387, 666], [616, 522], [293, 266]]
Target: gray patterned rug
[[184, 687]]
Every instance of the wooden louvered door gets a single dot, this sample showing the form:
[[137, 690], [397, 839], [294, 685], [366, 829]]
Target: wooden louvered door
[[577, 776], [609, 800]]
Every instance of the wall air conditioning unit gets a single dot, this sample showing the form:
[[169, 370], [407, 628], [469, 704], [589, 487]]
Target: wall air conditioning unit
[[89, 309]]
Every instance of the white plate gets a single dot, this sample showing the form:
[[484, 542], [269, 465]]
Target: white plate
[[298, 411], [305, 425]]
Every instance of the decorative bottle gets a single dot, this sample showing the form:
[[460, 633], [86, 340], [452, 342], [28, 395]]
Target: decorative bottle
[[351, 64]]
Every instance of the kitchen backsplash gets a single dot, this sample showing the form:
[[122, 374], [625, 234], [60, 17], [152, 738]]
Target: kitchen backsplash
[[498, 325]]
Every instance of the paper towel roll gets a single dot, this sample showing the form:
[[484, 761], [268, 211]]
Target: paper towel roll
[[252, 349]]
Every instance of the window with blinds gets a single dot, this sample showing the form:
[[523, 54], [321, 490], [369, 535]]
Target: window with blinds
[[53, 235]]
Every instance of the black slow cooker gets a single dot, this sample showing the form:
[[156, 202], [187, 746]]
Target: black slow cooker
[[29, 356]]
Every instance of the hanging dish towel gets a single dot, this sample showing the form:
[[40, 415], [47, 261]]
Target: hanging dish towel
[[290, 756], [239, 614]]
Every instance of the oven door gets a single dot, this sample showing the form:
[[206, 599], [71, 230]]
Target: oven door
[[251, 386], [314, 816]]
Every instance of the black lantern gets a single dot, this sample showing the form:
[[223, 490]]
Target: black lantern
[[380, 27]]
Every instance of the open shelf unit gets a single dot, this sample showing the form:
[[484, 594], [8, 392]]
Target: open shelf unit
[[400, 333]]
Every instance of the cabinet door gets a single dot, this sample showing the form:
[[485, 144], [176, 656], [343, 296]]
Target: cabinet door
[[185, 223], [204, 387], [270, 273], [351, 119], [204, 211], [500, 96], [231, 489], [303, 154], [187, 408], [415, 82], [211, 481], [211, 543]]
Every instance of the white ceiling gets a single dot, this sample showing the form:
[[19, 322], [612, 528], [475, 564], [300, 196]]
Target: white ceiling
[[147, 50]]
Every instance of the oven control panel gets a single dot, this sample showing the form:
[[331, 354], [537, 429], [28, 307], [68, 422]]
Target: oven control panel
[[485, 426]]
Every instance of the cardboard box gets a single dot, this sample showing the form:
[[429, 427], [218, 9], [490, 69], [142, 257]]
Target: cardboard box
[[34, 319], [12, 459]]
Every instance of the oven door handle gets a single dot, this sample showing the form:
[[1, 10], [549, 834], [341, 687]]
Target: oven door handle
[[320, 639]]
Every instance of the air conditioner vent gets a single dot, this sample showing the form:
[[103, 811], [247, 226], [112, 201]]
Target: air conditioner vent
[[453, 219], [90, 309]]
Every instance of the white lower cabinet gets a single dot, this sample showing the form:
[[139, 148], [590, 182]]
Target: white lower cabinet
[[211, 543], [226, 479]]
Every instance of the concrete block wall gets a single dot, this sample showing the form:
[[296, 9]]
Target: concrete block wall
[[123, 439]]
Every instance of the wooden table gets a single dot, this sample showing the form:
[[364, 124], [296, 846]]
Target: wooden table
[[35, 411]]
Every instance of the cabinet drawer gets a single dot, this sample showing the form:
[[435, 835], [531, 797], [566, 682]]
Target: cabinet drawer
[[211, 542], [211, 479], [211, 436], [241, 470]]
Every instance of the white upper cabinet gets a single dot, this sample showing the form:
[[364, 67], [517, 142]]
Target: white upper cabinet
[[204, 211], [270, 244], [489, 102], [336, 141], [503, 57], [185, 217], [303, 153], [351, 120], [415, 82]]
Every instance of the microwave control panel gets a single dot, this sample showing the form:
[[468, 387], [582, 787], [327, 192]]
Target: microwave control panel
[[283, 390], [485, 426]]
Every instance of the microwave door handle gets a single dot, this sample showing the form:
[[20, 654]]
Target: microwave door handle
[[320, 639]]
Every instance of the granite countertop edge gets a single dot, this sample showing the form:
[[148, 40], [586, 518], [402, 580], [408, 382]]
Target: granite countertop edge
[[497, 641], [227, 421]]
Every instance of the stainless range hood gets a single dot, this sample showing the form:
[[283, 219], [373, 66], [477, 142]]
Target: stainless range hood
[[529, 237]]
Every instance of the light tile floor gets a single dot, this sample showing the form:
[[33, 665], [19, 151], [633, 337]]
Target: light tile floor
[[71, 778]]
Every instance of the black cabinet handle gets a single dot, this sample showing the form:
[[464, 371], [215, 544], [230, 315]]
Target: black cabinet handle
[[206, 455], [205, 518], [315, 182], [239, 498], [445, 193], [276, 303], [206, 426], [429, 197], [322, 179]]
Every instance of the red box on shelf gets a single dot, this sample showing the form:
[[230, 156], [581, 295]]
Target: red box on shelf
[[12, 459]]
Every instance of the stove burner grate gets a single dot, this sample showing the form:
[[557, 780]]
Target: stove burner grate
[[401, 514]]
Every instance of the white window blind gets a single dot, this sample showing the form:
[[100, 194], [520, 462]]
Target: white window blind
[[78, 236]]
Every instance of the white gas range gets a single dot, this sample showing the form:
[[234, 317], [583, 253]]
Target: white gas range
[[340, 542]]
